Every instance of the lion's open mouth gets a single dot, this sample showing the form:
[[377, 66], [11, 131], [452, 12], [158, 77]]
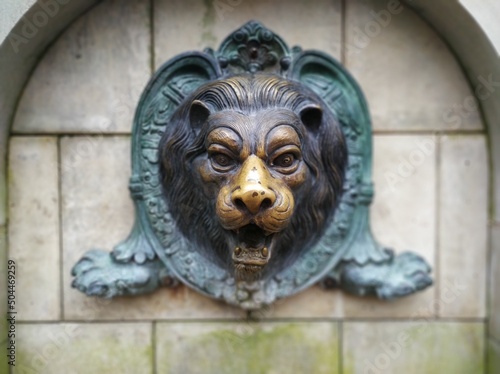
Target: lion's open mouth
[[252, 252]]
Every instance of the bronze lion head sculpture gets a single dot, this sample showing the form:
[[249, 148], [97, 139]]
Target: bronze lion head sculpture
[[251, 166], [251, 179]]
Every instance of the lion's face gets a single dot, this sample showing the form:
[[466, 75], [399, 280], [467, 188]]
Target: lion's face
[[252, 169]]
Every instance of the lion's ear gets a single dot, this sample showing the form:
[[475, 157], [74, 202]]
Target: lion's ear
[[311, 116], [198, 114]]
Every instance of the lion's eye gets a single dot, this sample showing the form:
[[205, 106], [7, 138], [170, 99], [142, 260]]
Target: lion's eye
[[222, 161], [285, 160]]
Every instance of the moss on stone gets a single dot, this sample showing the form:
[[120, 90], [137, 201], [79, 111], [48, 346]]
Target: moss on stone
[[254, 348], [493, 357], [107, 355]]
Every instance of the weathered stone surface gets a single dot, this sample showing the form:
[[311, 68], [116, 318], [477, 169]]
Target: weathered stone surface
[[3, 188], [97, 212], [186, 25], [4, 324], [463, 203], [403, 210], [411, 79], [494, 283], [34, 226], [90, 80], [247, 347], [493, 357], [71, 348], [413, 347]]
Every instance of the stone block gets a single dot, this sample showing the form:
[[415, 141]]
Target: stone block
[[403, 210], [34, 226], [72, 348], [413, 347], [494, 283], [3, 269], [247, 347], [411, 79], [91, 78], [493, 357], [4, 324], [463, 224]]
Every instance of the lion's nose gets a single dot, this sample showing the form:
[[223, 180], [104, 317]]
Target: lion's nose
[[252, 192], [254, 198]]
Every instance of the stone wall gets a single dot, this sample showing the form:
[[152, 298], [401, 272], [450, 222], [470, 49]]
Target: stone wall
[[68, 173]]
